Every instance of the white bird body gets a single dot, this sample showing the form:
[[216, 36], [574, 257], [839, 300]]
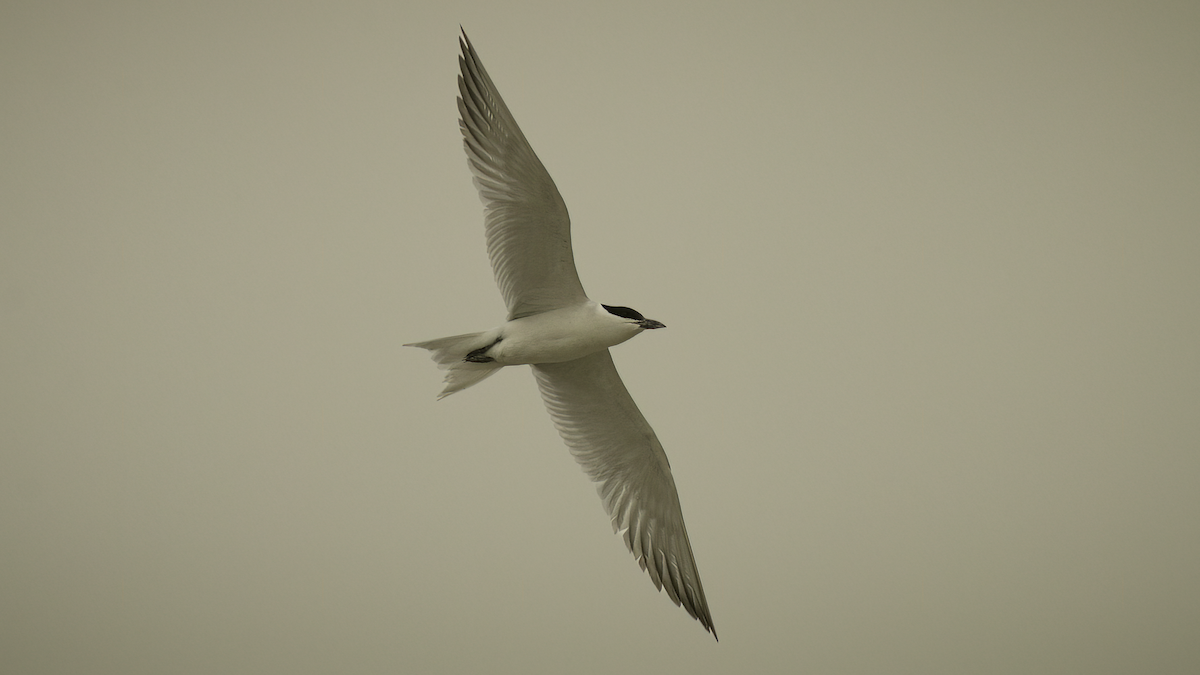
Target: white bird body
[[564, 336], [561, 335]]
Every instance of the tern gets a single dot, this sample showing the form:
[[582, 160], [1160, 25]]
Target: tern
[[564, 337]]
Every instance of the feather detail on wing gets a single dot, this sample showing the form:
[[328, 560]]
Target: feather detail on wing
[[616, 447], [526, 223]]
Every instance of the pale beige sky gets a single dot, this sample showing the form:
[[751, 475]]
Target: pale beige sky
[[930, 384]]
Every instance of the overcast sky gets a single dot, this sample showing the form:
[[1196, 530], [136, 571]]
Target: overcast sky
[[930, 383]]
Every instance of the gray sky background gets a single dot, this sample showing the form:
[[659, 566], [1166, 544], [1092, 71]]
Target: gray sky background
[[930, 383]]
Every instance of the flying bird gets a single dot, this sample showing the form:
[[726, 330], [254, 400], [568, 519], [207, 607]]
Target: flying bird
[[564, 337]]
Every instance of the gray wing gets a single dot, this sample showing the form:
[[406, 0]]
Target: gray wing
[[526, 223], [614, 443]]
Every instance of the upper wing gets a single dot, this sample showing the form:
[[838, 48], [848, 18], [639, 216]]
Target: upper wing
[[526, 223], [614, 443]]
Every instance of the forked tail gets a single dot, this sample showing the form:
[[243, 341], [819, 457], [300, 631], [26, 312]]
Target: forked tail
[[450, 353]]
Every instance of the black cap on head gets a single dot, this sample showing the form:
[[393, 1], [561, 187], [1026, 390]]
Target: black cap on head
[[624, 312]]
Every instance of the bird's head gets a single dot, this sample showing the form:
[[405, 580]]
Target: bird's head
[[634, 316]]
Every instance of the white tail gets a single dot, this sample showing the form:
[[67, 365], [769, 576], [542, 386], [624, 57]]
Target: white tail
[[449, 354]]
